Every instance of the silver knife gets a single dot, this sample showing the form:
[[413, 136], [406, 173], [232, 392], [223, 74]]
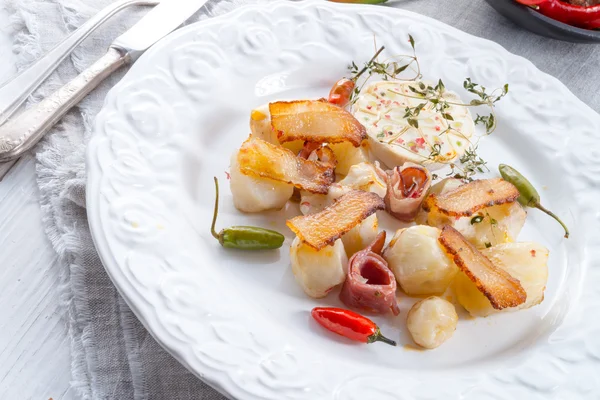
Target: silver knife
[[20, 133], [15, 91]]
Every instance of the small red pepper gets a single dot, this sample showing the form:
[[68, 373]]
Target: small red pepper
[[580, 16], [341, 92], [349, 324]]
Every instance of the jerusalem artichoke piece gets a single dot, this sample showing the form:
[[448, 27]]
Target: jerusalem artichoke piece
[[254, 194], [318, 271]]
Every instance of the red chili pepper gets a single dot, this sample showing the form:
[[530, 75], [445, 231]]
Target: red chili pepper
[[342, 91], [581, 16], [531, 2], [349, 324]]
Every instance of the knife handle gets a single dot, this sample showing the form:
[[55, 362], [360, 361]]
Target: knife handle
[[14, 92], [20, 133]]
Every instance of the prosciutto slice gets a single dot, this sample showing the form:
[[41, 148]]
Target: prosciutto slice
[[407, 187], [370, 285]]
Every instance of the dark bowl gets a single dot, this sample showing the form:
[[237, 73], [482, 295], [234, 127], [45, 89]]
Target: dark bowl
[[542, 25]]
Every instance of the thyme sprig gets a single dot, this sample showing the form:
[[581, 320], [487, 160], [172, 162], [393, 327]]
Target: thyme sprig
[[388, 69], [434, 96], [391, 68], [470, 164]]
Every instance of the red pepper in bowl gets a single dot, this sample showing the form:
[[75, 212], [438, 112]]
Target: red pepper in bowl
[[580, 16]]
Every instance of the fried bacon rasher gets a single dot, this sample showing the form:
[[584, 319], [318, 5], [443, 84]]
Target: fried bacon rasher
[[325, 227], [315, 121], [472, 197], [500, 288], [262, 159]]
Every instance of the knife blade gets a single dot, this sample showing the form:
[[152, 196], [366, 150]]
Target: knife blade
[[20, 133], [158, 23]]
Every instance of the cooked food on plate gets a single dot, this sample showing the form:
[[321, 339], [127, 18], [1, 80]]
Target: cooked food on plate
[[431, 322], [486, 212], [348, 155], [361, 235], [500, 288], [364, 176], [323, 228], [472, 197], [315, 121], [261, 159], [396, 137], [376, 148], [255, 194], [370, 285], [527, 262], [318, 271], [407, 187], [419, 262]]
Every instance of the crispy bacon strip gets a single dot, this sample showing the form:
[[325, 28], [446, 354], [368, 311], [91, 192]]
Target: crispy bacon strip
[[472, 197], [315, 121], [325, 227], [501, 289], [407, 186], [262, 159], [370, 285]]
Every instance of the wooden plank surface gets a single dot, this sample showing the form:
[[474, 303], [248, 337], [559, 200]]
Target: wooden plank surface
[[34, 349]]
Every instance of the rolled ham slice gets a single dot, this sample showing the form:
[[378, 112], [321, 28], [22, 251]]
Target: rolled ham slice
[[370, 285], [407, 187]]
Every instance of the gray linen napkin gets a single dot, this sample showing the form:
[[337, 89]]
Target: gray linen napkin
[[113, 355]]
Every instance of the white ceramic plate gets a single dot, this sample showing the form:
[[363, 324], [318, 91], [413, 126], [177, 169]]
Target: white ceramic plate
[[237, 319]]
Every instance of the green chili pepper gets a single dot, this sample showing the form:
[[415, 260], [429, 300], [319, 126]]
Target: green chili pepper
[[244, 237], [529, 196]]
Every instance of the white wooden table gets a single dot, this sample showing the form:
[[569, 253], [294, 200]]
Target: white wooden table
[[34, 349]]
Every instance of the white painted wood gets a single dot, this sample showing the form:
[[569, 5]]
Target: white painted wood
[[5, 167], [34, 349]]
